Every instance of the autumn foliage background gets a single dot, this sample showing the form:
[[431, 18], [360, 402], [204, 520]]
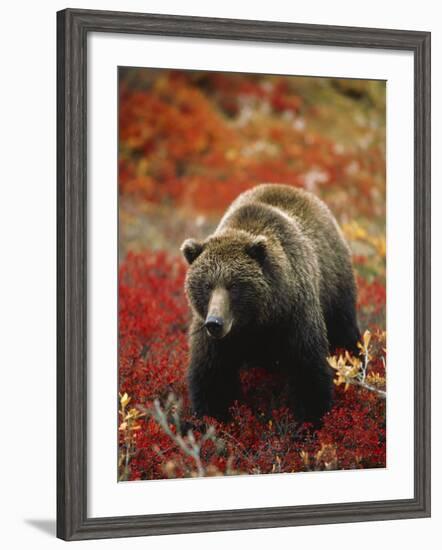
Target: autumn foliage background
[[189, 143]]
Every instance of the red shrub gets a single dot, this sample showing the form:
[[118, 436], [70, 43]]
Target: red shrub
[[199, 139], [262, 437]]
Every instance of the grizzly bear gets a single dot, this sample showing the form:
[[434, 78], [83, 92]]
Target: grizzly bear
[[274, 287]]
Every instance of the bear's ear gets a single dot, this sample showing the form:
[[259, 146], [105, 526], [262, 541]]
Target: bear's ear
[[257, 249], [191, 249]]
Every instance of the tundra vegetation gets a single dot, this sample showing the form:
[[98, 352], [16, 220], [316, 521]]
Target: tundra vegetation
[[189, 143]]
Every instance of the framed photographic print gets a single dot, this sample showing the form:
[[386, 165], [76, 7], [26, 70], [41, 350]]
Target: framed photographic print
[[243, 274]]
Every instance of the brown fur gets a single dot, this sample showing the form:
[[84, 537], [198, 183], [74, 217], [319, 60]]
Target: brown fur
[[286, 274]]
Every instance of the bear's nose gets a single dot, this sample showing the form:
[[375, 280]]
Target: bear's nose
[[214, 326]]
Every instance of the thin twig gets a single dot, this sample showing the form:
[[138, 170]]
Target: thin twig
[[190, 448], [369, 387]]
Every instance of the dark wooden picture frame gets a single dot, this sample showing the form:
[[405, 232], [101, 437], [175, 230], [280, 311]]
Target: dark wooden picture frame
[[73, 27]]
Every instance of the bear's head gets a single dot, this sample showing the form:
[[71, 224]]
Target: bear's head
[[230, 282]]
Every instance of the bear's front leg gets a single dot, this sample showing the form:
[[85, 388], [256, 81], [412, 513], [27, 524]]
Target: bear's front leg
[[311, 390], [309, 375], [213, 377]]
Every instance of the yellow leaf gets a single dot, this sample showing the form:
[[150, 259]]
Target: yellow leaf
[[366, 338], [124, 400], [304, 457]]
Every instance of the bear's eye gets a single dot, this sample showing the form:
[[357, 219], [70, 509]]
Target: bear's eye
[[233, 287], [207, 285]]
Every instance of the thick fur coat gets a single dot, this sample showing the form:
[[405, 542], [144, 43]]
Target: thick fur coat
[[273, 286]]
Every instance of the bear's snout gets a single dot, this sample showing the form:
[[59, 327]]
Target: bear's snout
[[219, 318], [214, 326]]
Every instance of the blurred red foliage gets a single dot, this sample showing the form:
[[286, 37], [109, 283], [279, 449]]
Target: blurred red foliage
[[200, 139]]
